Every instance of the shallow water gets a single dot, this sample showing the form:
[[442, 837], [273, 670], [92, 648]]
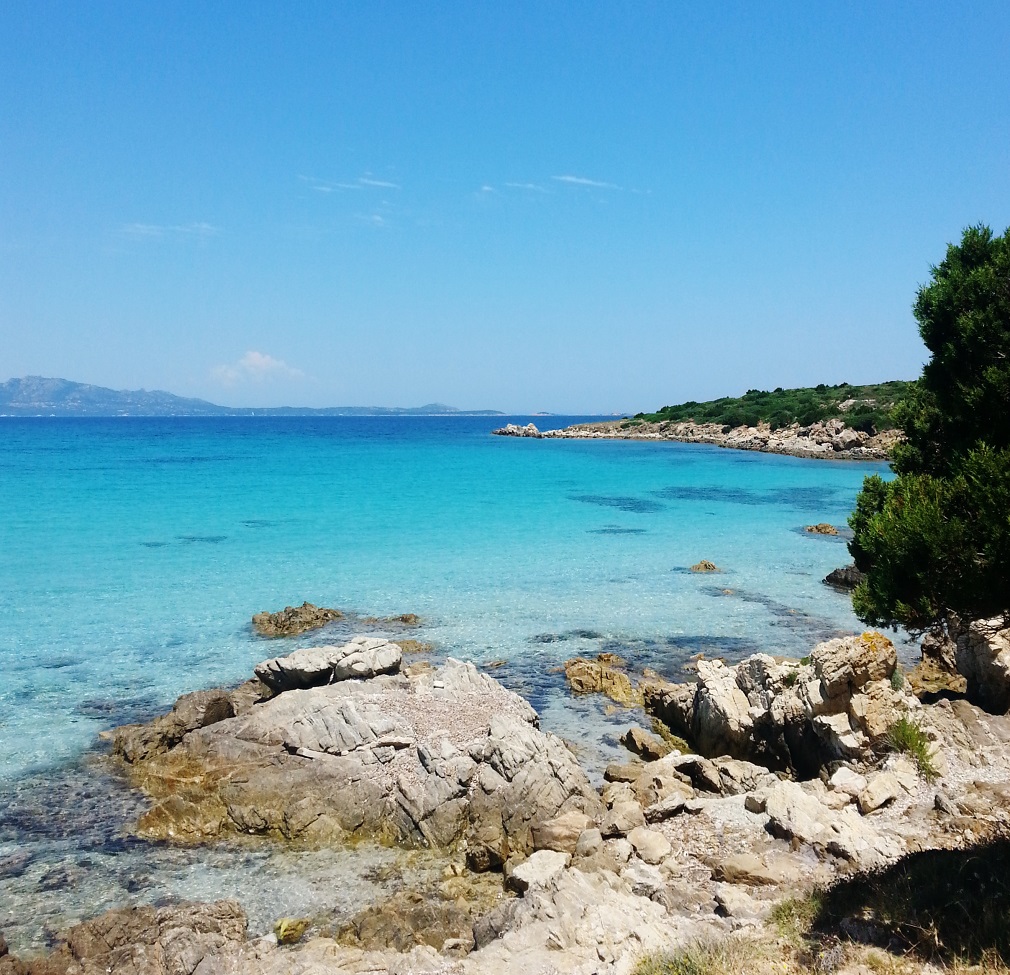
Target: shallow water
[[133, 553]]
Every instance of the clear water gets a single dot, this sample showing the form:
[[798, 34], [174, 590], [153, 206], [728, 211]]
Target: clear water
[[133, 553]]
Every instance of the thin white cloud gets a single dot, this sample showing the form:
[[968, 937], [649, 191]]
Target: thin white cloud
[[360, 183], [255, 367], [382, 183], [583, 181], [152, 231], [486, 188], [535, 187]]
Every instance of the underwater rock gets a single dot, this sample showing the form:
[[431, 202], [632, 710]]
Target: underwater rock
[[293, 620], [602, 676]]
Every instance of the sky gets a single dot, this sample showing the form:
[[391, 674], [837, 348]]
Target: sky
[[565, 207]]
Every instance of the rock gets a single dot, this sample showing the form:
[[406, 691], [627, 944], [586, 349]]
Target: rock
[[847, 578], [732, 901], [515, 430], [562, 833], [644, 879], [601, 676], [538, 870], [847, 781], [414, 646], [822, 528], [793, 716], [796, 814], [622, 818], [642, 743], [199, 709], [293, 620], [290, 930], [705, 566], [755, 871], [589, 842], [15, 864], [704, 775], [756, 802], [408, 919], [448, 759], [626, 772], [881, 789], [362, 658], [651, 846], [665, 808], [982, 655]]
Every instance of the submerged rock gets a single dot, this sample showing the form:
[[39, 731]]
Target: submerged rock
[[293, 620], [602, 676]]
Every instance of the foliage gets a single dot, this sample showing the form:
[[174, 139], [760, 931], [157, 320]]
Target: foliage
[[727, 956], [907, 736], [868, 408], [937, 538]]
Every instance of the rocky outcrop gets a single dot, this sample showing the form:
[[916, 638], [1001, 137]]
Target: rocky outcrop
[[363, 657], [293, 620], [847, 577], [446, 758], [704, 566], [795, 716], [515, 430], [821, 528], [981, 654], [602, 676], [831, 439]]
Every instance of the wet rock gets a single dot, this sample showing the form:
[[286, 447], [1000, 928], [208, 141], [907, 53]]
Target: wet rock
[[290, 930], [821, 528], [647, 745], [415, 646], [408, 919], [362, 658], [293, 620], [601, 676], [847, 577], [705, 566]]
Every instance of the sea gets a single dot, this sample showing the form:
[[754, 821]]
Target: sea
[[134, 552]]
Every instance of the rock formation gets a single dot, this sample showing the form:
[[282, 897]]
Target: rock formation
[[293, 620]]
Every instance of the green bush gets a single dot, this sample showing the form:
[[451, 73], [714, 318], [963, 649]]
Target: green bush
[[906, 736]]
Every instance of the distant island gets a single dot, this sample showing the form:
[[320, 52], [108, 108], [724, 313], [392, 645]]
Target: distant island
[[40, 396]]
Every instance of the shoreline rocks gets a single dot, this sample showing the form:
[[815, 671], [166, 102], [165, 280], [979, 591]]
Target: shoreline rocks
[[830, 440]]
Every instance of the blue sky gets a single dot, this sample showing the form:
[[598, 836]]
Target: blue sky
[[527, 206]]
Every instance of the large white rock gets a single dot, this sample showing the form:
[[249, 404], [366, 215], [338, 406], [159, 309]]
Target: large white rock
[[538, 870], [362, 658]]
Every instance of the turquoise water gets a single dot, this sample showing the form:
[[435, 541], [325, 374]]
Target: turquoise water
[[133, 553]]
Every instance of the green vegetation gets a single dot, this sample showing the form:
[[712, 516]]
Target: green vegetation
[[728, 956], [907, 736], [867, 408], [937, 538]]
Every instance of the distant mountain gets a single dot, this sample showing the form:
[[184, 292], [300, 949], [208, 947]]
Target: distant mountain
[[38, 396]]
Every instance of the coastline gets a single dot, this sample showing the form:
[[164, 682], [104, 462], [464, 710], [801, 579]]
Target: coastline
[[830, 440], [784, 800]]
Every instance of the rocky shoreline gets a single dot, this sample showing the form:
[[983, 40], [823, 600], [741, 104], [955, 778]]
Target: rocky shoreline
[[793, 780], [830, 440]]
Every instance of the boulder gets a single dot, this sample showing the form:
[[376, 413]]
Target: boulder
[[982, 655], [561, 833], [650, 845], [447, 759], [756, 871], [538, 870], [516, 430], [622, 818], [847, 578], [881, 788], [704, 566], [793, 716], [362, 658], [293, 620]]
